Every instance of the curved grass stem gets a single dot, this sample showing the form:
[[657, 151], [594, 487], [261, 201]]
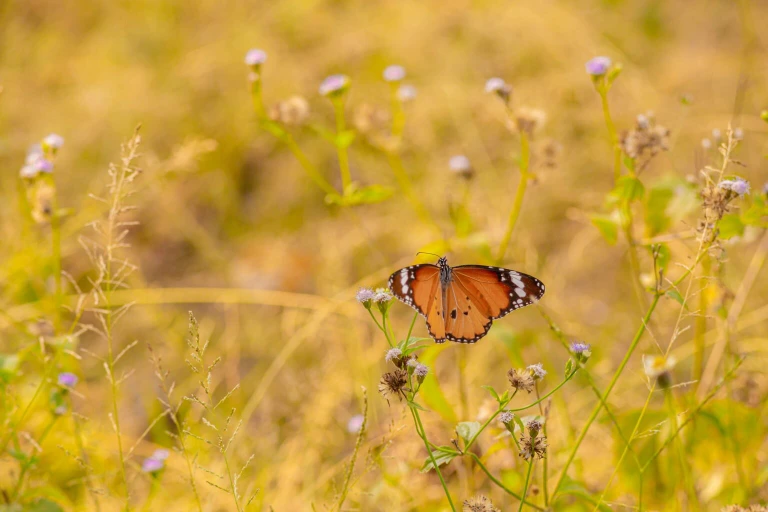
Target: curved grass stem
[[517, 205]]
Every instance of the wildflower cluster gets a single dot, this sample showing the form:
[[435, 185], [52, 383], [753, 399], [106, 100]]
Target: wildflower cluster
[[532, 444], [525, 379]]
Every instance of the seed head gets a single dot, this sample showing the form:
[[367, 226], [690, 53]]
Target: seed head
[[529, 120], [393, 383], [479, 503], [292, 112], [598, 66], [533, 445], [334, 85], [534, 427], [520, 379], [394, 73]]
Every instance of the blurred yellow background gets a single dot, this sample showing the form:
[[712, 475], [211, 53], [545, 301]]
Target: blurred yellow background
[[232, 229]]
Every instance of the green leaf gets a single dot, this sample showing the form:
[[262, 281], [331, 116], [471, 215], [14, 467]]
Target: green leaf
[[442, 457], [344, 139], [571, 487], [664, 256], [366, 195], [656, 217], [467, 429], [675, 295], [627, 189], [607, 226], [414, 405], [43, 506], [757, 213], [613, 73], [518, 422], [729, 226], [492, 391], [9, 363]]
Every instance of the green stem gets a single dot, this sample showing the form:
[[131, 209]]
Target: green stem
[[527, 480], [686, 477], [341, 127], [601, 90], [404, 182], [422, 433], [410, 329], [258, 102], [607, 392], [358, 443], [312, 172], [501, 485], [56, 256], [700, 335], [26, 465], [525, 156]]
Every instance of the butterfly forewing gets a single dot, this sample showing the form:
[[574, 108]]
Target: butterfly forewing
[[503, 290]]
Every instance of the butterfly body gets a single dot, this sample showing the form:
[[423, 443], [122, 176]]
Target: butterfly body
[[460, 303]]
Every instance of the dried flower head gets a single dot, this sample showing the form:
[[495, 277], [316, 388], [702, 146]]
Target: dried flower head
[[534, 427], [334, 85], [598, 66], [394, 73], [393, 383], [530, 446], [406, 93], [529, 120], [537, 371], [499, 87], [255, 57], [520, 379], [645, 140], [369, 119], [68, 379], [292, 112], [460, 165], [479, 503]]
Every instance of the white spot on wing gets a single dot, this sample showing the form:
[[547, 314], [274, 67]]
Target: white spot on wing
[[520, 292]]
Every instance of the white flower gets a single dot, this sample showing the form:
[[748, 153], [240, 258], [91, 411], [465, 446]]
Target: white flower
[[334, 84], [53, 141], [654, 366], [355, 423], [537, 371], [406, 93], [255, 57]]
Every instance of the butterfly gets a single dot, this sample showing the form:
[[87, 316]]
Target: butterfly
[[460, 303]]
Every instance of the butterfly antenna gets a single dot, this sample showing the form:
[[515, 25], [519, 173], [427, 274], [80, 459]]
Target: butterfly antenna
[[430, 253]]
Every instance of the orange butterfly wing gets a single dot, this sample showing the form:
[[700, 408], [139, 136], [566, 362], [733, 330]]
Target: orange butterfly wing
[[419, 287], [491, 291]]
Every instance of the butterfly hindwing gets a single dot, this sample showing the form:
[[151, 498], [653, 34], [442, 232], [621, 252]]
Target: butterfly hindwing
[[465, 320]]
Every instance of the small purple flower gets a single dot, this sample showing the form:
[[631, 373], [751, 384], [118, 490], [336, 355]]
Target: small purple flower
[[739, 186], [152, 465], [421, 370], [392, 354], [459, 164], [355, 423], [537, 371], [579, 347], [34, 153], [506, 417], [43, 165], [706, 143], [394, 73], [333, 85], [598, 66], [495, 84], [364, 295], [68, 379], [406, 93], [738, 133], [717, 134], [53, 141], [155, 462], [382, 295], [255, 57]]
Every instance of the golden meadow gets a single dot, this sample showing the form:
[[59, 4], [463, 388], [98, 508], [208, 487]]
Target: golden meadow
[[179, 327]]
